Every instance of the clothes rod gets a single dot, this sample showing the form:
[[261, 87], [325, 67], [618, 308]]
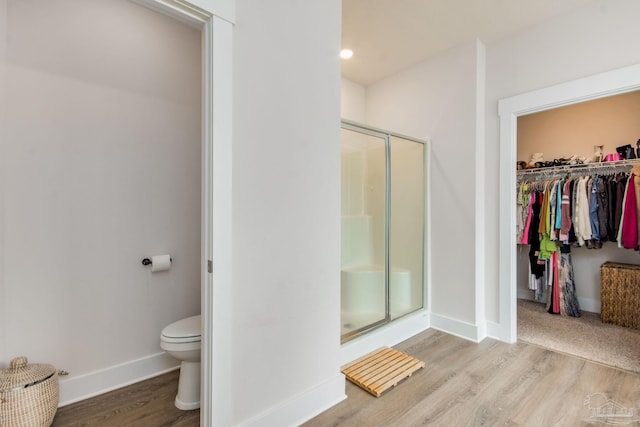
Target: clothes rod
[[602, 168]]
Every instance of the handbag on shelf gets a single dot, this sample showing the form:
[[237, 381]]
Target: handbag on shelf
[[626, 152]]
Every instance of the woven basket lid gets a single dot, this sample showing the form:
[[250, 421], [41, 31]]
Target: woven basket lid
[[20, 374]]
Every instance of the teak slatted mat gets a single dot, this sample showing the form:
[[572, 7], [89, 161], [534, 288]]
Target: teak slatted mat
[[381, 370]]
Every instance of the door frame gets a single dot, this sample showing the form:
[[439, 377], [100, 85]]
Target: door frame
[[597, 86], [215, 19]]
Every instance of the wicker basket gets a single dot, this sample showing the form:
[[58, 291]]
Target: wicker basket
[[28, 394], [620, 294]]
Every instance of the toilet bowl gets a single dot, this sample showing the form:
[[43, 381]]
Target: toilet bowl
[[182, 340]]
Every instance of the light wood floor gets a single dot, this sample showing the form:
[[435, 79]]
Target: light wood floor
[[145, 404], [489, 384], [463, 384]]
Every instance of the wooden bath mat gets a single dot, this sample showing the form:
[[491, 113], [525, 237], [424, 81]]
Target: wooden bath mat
[[381, 370]]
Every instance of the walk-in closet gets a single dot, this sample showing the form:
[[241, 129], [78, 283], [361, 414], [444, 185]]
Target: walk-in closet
[[573, 217]]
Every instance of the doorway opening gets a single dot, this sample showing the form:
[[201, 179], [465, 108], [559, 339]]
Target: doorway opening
[[559, 299], [590, 88]]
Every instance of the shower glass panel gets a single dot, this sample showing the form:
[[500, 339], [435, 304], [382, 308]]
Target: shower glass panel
[[383, 211], [406, 231], [363, 295]]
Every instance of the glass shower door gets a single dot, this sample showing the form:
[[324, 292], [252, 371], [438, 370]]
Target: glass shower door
[[364, 296], [406, 230], [383, 228]]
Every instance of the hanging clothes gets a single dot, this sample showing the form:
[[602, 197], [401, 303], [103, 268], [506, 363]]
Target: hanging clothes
[[572, 207], [618, 188], [547, 246], [561, 294], [554, 214], [565, 212], [581, 217], [593, 207], [523, 211], [603, 208], [526, 206], [586, 211], [569, 304], [537, 269], [629, 226]]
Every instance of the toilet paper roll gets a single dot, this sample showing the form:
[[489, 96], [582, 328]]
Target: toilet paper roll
[[160, 263]]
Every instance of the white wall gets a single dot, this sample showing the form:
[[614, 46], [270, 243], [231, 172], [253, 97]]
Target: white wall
[[576, 129], [100, 168], [597, 38], [286, 211], [437, 100], [352, 101]]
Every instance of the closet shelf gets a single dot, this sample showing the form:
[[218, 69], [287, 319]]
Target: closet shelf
[[599, 168]]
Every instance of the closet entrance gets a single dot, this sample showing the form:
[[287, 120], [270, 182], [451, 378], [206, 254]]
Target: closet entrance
[[383, 227], [569, 209], [596, 87]]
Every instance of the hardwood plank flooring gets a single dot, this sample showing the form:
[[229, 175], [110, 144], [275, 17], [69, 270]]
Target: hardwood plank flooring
[[145, 404], [463, 384], [490, 384]]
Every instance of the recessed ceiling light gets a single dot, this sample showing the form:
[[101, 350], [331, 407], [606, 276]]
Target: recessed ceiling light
[[346, 53]]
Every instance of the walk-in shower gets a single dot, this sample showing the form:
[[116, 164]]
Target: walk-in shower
[[383, 227]]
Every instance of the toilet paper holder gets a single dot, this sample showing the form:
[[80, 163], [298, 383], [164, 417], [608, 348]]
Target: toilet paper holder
[[147, 261]]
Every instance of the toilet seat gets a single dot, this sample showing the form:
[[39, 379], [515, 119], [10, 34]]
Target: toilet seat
[[183, 331]]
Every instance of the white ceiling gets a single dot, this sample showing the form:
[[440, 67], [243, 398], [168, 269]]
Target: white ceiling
[[388, 36]]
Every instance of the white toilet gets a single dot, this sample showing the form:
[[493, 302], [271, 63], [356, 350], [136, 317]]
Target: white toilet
[[181, 340]]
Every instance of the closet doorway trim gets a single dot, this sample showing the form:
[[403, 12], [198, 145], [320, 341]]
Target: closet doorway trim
[[602, 85]]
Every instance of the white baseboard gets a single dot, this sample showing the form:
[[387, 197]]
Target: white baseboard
[[303, 406], [76, 388], [386, 336], [497, 332], [525, 294], [588, 304], [458, 328]]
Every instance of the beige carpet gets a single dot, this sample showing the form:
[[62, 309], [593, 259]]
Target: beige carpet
[[585, 337]]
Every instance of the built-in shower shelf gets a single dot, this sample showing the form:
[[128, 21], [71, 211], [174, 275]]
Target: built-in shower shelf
[[380, 370]]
